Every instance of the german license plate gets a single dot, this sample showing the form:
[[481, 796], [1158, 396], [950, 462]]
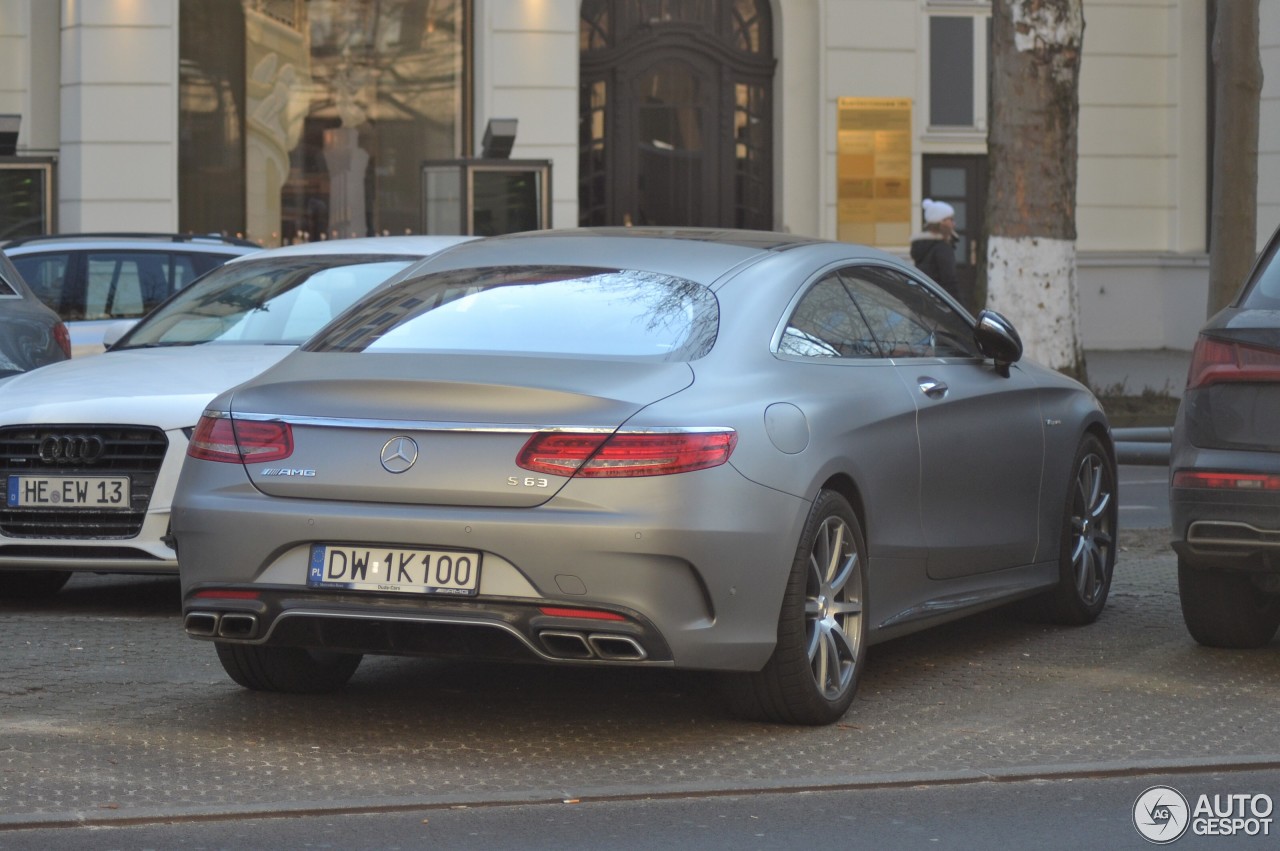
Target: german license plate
[[409, 571], [68, 492]]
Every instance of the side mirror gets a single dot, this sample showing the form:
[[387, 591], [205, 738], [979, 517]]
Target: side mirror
[[113, 332], [998, 339]]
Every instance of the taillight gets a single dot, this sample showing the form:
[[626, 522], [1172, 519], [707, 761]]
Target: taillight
[[1215, 361], [626, 454], [240, 441], [1225, 481], [62, 337]]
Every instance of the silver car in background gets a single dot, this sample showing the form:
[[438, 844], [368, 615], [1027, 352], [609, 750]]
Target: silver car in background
[[31, 334], [90, 448], [93, 280], [742, 452]]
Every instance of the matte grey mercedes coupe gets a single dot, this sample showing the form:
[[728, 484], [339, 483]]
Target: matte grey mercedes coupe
[[735, 451]]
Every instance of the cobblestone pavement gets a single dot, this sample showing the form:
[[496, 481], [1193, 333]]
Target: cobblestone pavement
[[108, 712]]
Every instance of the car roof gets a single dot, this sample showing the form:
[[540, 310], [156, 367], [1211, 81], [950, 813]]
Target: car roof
[[407, 246], [204, 243], [696, 254]]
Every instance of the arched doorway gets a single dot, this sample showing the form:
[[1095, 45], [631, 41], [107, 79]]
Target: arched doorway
[[676, 113]]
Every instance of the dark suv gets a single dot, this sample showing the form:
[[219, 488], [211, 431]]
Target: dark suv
[[92, 280], [1225, 469], [31, 334]]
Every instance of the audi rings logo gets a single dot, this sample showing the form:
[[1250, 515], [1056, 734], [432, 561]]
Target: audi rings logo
[[70, 448]]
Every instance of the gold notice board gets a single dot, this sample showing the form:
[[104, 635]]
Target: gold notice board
[[873, 171]]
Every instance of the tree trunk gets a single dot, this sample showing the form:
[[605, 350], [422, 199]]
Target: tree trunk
[[1237, 89], [1031, 191]]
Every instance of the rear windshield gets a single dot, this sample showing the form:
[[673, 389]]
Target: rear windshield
[[281, 301], [575, 312], [1264, 292]]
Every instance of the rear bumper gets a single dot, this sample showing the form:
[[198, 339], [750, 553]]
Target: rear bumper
[[479, 629], [697, 571], [1226, 531]]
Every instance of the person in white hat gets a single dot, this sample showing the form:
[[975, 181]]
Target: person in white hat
[[933, 249]]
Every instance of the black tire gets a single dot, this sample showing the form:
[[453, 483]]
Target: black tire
[[1225, 609], [294, 670], [1087, 547], [32, 584], [813, 674]]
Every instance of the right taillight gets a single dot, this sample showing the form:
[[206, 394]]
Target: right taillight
[[626, 454], [1216, 361], [240, 441]]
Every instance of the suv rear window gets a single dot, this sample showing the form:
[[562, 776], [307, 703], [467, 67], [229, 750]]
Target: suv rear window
[[573, 311], [1264, 291]]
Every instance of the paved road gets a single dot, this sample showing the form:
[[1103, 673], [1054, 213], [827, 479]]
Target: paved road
[[107, 712], [1067, 813]]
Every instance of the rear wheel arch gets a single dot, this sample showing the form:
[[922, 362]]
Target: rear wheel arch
[[844, 485]]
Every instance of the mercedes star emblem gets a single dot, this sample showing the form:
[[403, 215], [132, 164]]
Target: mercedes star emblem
[[399, 454]]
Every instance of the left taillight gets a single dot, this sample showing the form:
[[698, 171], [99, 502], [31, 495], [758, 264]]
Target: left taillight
[[626, 454], [240, 441], [63, 338]]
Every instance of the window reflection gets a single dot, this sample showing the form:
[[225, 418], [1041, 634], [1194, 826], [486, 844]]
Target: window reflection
[[314, 124], [571, 312]]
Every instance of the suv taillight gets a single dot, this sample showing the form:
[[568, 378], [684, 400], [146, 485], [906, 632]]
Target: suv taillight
[[626, 454], [240, 441], [63, 338], [1215, 361]]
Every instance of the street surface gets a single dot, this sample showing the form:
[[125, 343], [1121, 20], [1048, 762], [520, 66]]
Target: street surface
[[1066, 813], [110, 716]]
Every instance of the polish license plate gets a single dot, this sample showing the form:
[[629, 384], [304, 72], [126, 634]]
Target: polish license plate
[[409, 571], [68, 492]]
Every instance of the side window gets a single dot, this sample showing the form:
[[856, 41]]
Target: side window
[[6, 288], [184, 271], [906, 317], [125, 286], [828, 324], [46, 275]]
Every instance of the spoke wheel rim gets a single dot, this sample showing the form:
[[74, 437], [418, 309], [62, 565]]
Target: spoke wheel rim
[[833, 608], [1092, 527]]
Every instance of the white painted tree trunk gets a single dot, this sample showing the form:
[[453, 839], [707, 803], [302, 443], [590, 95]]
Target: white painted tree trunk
[[1032, 281], [1032, 144]]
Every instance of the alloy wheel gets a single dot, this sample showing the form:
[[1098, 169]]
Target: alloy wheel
[[833, 608]]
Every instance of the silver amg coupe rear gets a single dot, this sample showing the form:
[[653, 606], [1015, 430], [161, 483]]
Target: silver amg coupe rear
[[741, 452]]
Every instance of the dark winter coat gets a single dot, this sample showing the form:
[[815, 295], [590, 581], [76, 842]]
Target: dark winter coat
[[936, 257]]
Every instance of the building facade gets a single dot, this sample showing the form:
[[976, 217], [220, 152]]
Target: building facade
[[300, 119]]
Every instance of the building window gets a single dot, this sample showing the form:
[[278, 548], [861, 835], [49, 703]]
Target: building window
[[308, 119], [958, 64]]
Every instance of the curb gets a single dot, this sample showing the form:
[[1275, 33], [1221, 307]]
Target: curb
[[690, 789]]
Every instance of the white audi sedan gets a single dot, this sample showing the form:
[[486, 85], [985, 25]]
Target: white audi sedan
[[90, 448]]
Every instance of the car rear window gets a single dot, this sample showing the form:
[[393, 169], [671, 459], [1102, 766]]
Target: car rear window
[[1264, 291], [571, 311]]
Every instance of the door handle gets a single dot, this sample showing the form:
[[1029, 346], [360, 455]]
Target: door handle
[[932, 387]]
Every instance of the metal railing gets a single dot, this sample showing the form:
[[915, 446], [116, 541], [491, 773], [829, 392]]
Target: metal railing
[[1150, 446]]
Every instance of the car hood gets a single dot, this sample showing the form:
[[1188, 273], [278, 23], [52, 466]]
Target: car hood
[[165, 387]]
